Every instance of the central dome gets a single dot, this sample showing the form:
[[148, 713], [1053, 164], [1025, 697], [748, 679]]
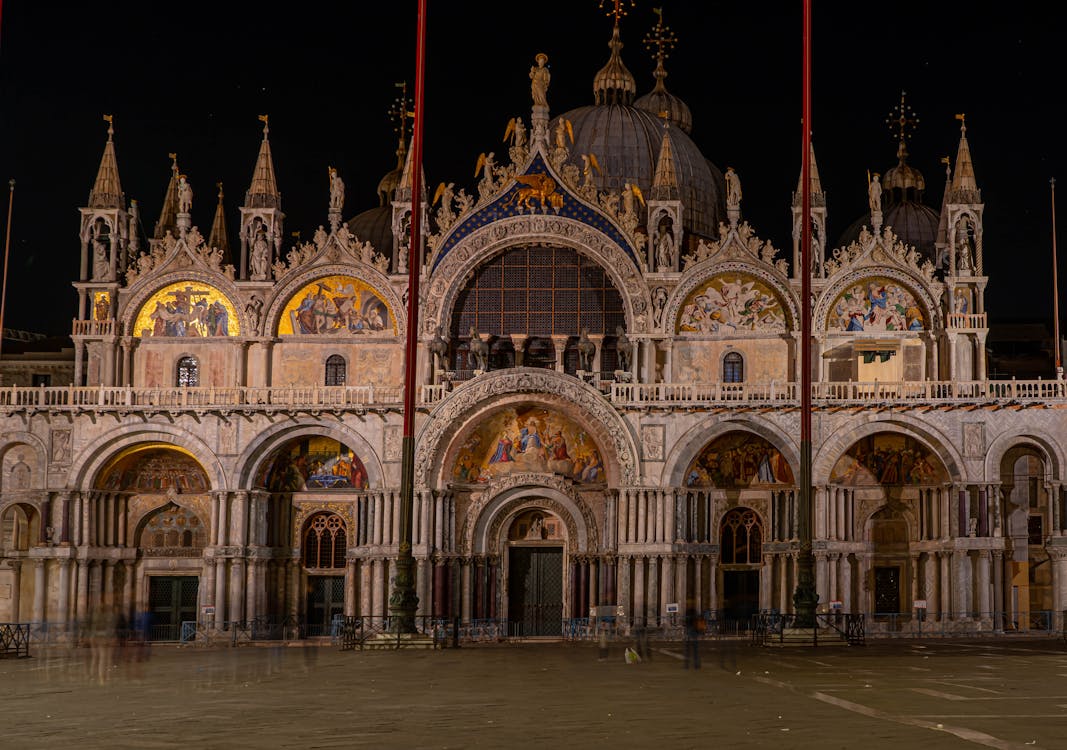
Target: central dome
[[626, 141]]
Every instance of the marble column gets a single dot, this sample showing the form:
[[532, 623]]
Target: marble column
[[639, 590], [237, 589], [848, 603], [63, 613], [624, 584], [713, 583], [220, 592], [998, 591], [947, 585], [652, 602], [365, 588], [465, 590], [82, 601], [985, 605], [822, 579], [39, 591]]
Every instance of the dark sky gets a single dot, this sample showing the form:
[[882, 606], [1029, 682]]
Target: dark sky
[[191, 77]]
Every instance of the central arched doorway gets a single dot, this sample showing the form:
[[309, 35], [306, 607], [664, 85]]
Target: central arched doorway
[[740, 545], [535, 574]]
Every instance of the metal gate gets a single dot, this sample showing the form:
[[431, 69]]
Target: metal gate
[[325, 599], [535, 598], [171, 601], [886, 590]]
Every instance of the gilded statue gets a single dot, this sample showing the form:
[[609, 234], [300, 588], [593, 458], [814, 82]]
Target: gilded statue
[[539, 78]]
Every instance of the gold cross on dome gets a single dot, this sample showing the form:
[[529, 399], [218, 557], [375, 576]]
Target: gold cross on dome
[[902, 119], [661, 40], [619, 8], [401, 112]]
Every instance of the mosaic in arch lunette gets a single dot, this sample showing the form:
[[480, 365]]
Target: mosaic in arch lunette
[[529, 439], [729, 303], [737, 460], [875, 304], [337, 305], [154, 468], [313, 463], [888, 458], [187, 309]]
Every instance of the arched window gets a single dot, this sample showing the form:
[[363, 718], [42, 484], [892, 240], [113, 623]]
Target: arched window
[[188, 372], [335, 370], [733, 368], [325, 542], [741, 536]]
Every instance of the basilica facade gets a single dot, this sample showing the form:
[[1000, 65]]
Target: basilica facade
[[608, 401]]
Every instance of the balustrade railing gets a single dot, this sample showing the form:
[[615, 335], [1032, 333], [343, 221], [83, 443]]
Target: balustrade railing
[[621, 394], [93, 327], [967, 320]]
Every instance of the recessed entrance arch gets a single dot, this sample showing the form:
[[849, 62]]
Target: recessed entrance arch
[[535, 574]]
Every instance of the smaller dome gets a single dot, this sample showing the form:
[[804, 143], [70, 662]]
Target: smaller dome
[[375, 225], [914, 223], [903, 176], [663, 103]]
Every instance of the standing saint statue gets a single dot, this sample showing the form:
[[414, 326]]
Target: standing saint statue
[[733, 188], [874, 194], [260, 255], [337, 191], [185, 196], [539, 78]]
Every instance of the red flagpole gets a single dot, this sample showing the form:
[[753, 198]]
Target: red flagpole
[[7, 250], [1055, 285], [403, 603]]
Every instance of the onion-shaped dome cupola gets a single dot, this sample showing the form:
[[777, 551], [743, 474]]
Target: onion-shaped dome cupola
[[627, 139]]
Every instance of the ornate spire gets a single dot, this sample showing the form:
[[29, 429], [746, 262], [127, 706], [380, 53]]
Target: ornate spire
[[218, 237], [263, 192], [168, 215], [964, 185], [942, 225], [660, 42], [614, 84], [107, 190], [665, 180], [818, 197]]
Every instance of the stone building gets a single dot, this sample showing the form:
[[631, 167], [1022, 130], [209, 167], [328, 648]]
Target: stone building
[[607, 410]]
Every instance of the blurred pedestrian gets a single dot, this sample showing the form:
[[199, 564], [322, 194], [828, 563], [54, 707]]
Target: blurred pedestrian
[[694, 624]]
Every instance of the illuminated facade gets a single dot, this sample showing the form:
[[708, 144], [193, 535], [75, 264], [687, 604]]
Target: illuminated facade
[[608, 369]]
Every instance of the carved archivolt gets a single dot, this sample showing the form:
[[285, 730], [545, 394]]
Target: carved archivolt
[[491, 511], [452, 415], [452, 273]]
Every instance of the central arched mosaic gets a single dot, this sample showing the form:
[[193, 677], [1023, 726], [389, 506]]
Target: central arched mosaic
[[529, 439], [151, 468], [736, 460]]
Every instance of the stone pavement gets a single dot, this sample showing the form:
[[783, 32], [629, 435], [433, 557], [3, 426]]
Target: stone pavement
[[930, 694]]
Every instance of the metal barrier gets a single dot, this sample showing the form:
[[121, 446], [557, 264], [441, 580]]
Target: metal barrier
[[14, 640]]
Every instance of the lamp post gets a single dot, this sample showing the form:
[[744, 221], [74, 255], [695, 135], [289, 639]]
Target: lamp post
[[403, 602], [804, 596], [1055, 286], [7, 250]]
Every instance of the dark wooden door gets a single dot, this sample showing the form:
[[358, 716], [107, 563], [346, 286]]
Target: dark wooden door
[[740, 595], [535, 591], [325, 599], [886, 589], [171, 601]]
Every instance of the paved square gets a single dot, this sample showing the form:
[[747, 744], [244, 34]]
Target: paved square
[[934, 694]]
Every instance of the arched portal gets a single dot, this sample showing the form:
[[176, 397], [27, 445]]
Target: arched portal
[[1028, 512], [888, 491], [535, 554], [745, 481], [324, 540], [154, 497]]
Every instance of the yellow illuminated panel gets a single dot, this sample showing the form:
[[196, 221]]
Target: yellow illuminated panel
[[187, 309], [337, 305]]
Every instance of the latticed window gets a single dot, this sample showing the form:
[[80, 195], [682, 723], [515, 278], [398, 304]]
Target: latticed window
[[741, 537], [733, 368], [188, 372], [538, 292], [325, 542], [335, 370]]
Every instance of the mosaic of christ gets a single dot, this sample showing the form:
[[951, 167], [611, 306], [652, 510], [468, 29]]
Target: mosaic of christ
[[187, 309], [317, 463], [529, 438], [727, 304], [738, 459], [888, 458]]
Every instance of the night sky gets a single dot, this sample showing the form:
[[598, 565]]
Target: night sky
[[191, 77]]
